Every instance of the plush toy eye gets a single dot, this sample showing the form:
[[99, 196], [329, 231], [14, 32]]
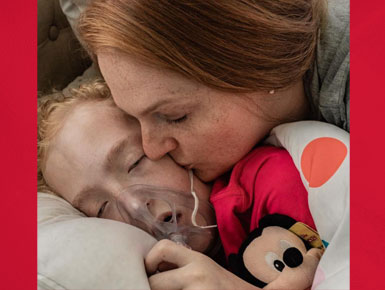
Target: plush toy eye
[[274, 262], [285, 245], [279, 265]]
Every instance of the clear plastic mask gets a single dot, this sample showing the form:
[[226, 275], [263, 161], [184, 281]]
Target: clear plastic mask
[[168, 214]]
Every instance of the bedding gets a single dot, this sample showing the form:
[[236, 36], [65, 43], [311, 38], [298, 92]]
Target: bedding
[[77, 252], [321, 153]]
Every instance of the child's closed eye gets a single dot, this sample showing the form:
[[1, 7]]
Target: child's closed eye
[[135, 164], [102, 210]]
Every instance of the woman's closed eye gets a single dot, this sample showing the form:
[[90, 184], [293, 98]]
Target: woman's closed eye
[[177, 120], [172, 118]]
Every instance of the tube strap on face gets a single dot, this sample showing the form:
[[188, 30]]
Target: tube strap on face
[[196, 204]]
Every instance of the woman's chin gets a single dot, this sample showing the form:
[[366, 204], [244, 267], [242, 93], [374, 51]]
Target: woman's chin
[[205, 175]]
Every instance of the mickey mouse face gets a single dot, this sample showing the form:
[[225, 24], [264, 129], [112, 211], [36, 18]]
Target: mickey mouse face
[[273, 252], [273, 256]]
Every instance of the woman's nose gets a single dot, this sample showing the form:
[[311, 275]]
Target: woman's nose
[[155, 147]]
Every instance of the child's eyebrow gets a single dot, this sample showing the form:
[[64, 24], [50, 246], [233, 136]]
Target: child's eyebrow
[[114, 152]]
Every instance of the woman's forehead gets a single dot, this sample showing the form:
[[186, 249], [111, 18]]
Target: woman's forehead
[[124, 72]]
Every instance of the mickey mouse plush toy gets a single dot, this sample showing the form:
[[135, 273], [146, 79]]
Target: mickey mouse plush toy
[[280, 254]]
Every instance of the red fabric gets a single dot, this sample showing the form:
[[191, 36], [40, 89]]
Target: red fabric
[[266, 181]]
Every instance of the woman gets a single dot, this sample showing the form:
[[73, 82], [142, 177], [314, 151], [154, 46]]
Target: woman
[[208, 80], [261, 64]]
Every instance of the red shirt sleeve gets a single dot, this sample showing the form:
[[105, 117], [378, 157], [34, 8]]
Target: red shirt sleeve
[[266, 181], [278, 188]]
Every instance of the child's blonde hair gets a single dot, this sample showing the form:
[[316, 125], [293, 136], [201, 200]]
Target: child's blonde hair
[[52, 112]]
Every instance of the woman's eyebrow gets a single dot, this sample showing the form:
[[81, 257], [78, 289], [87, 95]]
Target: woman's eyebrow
[[154, 106], [177, 102]]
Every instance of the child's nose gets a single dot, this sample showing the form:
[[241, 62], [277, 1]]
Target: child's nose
[[162, 212], [167, 217]]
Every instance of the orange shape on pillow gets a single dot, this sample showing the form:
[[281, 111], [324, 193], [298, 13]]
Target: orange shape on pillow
[[321, 158]]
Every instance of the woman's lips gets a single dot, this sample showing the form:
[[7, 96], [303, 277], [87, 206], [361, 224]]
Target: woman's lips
[[187, 167]]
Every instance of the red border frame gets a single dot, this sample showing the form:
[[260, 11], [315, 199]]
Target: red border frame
[[367, 140], [18, 51], [18, 72]]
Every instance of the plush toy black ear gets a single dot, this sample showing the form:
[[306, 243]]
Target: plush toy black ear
[[233, 263], [236, 263], [279, 220], [282, 221], [238, 268]]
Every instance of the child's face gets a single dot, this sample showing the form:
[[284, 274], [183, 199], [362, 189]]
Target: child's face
[[98, 153]]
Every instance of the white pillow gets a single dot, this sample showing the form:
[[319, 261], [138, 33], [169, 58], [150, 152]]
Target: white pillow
[[321, 153], [78, 252]]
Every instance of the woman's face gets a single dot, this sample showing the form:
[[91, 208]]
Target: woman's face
[[201, 128]]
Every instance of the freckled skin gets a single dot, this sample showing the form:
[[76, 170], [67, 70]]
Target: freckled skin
[[220, 127]]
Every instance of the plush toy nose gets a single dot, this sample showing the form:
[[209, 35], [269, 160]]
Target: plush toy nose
[[292, 257]]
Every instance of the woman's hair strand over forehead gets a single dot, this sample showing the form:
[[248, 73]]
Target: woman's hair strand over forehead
[[244, 45]]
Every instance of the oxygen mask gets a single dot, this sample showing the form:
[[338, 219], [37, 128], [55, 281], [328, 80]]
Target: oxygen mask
[[168, 214]]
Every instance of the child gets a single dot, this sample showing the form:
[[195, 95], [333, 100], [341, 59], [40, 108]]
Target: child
[[90, 153]]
